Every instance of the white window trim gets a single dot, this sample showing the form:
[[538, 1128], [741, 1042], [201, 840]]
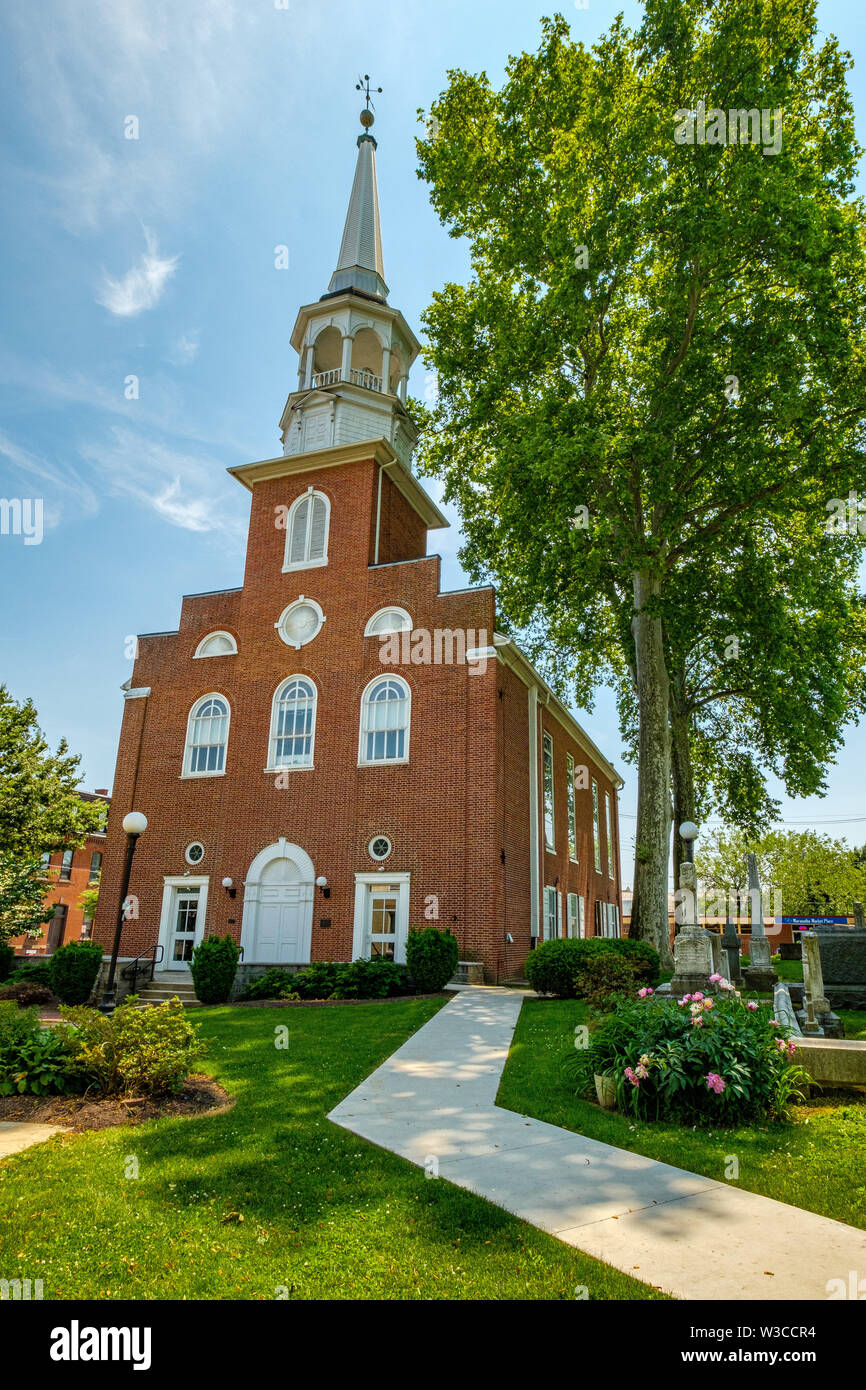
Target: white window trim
[[383, 762], [548, 899], [207, 656], [296, 603], [187, 747], [274, 766], [289, 566], [389, 608], [571, 808], [551, 843], [165, 918], [359, 931], [596, 828]]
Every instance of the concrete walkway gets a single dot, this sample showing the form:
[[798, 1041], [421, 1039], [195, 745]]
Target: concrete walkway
[[20, 1134], [695, 1238]]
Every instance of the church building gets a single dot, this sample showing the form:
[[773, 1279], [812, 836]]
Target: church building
[[339, 749]]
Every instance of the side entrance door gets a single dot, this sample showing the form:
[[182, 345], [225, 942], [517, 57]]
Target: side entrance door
[[182, 926]]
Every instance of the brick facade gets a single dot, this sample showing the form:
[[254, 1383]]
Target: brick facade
[[457, 813]]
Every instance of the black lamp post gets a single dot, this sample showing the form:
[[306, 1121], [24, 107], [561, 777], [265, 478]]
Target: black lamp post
[[134, 824]]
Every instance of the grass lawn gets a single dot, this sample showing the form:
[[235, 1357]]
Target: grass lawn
[[271, 1196], [816, 1162]]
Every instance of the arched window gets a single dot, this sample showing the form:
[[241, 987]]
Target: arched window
[[217, 644], [385, 712], [388, 620], [207, 737], [307, 532], [293, 724]]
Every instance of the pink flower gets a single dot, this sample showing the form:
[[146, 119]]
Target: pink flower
[[708, 1004], [686, 999], [750, 1004], [641, 1071], [632, 1076], [642, 993], [725, 984], [697, 1021], [714, 979], [697, 995], [715, 1082]]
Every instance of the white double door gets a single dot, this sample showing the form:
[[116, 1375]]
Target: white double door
[[278, 916]]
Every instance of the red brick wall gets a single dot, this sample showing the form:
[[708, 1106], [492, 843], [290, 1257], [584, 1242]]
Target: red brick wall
[[66, 891], [449, 813]]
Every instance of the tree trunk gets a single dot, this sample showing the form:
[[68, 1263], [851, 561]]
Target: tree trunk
[[649, 916], [682, 776]]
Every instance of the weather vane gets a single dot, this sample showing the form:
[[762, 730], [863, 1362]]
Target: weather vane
[[363, 85]]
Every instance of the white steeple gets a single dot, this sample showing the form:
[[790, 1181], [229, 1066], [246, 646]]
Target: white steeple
[[355, 351], [360, 266]]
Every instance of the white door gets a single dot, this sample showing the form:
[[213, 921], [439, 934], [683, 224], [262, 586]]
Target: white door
[[381, 917], [282, 928], [183, 913]]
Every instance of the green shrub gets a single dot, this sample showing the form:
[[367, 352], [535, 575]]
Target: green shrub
[[605, 977], [32, 1059], [698, 1059], [273, 984], [132, 1051], [318, 980], [552, 967], [371, 979], [26, 994], [214, 966], [431, 956], [73, 970], [35, 972], [7, 955]]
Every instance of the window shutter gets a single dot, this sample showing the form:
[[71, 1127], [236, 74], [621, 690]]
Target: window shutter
[[297, 549], [317, 529]]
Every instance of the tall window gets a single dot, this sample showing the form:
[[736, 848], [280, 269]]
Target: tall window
[[572, 809], [609, 827], [66, 865], [307, 531], [95, 867], [293, 724], [596, 835], [551, 925], [547, 757], [207, 737], [385, 711], [576, 922]]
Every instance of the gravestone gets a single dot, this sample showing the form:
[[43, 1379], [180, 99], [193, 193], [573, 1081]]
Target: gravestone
[[731, 947], [842, 953], [759, 973], [817, 1004], [693, 949]]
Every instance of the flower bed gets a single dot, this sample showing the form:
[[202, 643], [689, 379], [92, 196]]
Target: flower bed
[[699, 1058]]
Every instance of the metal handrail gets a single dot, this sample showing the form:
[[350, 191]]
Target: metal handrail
[[130, 972]]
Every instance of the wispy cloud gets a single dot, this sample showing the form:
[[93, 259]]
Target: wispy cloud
[[143, 284], [185, 349], [66, 495], [184, 489]]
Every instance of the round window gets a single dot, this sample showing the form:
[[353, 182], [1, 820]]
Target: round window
[[300, 622], [194, 853], [379, 847]]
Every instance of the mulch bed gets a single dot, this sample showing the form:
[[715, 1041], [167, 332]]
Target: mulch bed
[[320, 1003], [200, 1095]]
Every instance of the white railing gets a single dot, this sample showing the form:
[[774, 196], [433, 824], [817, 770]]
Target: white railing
[[362, 378]]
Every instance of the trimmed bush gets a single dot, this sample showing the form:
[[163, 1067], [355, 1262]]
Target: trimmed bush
[[73, 970], [604, 978], [710, 1059], [318, 980], [141, 1052], [36, 972], [431, 956], [214, 966], [273, 984], [7, 955], [553, 966], [26, 994], [371, 979]]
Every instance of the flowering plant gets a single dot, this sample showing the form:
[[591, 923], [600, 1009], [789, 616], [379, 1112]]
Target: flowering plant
[[697, 1058]]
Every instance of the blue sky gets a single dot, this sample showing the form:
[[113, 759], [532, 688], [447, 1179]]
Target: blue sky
[[154, 258]]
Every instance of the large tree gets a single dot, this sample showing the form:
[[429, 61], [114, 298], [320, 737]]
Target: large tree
[[814, 874], [40, 809], [660, 347]]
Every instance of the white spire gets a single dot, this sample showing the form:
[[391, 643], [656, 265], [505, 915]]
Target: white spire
[[360, 265]]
